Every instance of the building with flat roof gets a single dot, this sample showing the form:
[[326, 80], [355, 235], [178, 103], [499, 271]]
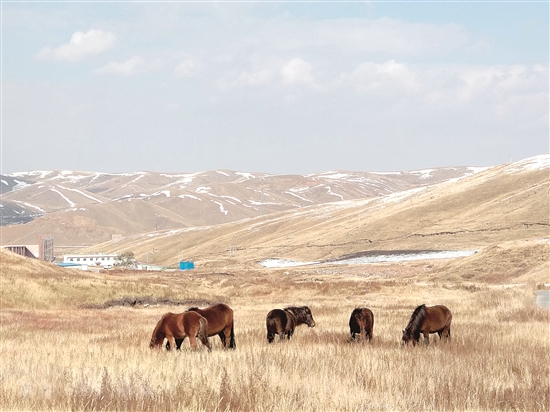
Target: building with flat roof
[[100, 260]]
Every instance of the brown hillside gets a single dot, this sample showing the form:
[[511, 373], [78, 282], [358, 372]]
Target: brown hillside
[[499, 205]]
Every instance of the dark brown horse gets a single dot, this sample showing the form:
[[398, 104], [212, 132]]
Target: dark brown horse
[[361, 322], [428, 319], [283, 321], [220, 322], [178, 326]]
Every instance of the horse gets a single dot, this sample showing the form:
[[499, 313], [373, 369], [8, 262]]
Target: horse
[[220, 322], [425, 320], [178, 326], [361, 322], [282, 322]]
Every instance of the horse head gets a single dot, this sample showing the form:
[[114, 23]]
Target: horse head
[[310, 322], [303, 315], [407, 337], [156, 342]]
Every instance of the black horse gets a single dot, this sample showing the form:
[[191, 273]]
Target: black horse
[[283, 321]]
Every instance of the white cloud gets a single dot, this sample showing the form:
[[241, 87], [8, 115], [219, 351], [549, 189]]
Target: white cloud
[[257, 78], [385, 78], [81, 46], [133, 65], [187, 68], [297, 70]]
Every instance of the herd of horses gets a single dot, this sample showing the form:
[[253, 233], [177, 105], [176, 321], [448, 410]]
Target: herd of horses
[[218, 320]]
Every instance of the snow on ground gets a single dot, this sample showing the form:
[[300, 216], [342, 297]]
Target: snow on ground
[[533, 163], [32, 206], [222, 209], [64, 197], [81, 193], [191, 197], [334, 175], [299, 197], [162, 192], [381, 258], [19, 185], [330, 192], [398, 196], [424, 174], [246, 176]]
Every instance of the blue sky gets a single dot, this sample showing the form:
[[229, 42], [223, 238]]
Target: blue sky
[[276, 87]]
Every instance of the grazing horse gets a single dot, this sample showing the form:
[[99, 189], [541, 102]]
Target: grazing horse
[[283, 321], [425, 320], [361, 322], [178, 326], [220, 322]]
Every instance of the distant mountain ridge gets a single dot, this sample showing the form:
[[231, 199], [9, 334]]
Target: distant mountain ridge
[[502, 213], [85, 208]]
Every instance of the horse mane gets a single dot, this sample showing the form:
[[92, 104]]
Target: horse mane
[[416, 320]]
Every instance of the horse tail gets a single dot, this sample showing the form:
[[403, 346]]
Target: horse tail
[[232, 344], [203, 324]]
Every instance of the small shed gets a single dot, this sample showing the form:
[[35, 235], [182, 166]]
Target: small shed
[[186, 265]]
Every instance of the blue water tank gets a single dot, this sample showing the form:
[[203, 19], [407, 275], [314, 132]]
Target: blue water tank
[[187, 265]]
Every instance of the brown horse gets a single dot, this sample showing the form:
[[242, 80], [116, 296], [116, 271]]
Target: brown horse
[[178, 326], [361, 322], [425, 320], [283, 321], [220, 322]]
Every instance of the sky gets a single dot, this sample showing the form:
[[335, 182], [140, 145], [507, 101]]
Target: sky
[[272, 86]]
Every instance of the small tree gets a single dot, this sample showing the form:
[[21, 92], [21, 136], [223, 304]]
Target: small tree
[[127, 260]]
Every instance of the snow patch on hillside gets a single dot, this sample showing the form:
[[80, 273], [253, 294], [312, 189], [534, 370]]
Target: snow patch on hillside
[[81, 193], [540, 162], [190, 197], [71, 203]]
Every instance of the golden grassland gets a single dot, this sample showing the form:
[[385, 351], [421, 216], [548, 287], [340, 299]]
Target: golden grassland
[[57, 355]]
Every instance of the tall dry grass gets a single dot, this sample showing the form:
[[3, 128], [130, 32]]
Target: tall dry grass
[[62, 357]]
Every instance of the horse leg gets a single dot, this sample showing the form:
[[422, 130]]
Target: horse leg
[[232, 344], [222, 338], [206, 342], [193, 342], [171, 343], [369, 335], [226, 333], [427, 338], [270, 336], [447, 334]]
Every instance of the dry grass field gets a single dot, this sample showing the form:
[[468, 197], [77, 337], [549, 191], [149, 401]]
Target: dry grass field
[[62, 350]]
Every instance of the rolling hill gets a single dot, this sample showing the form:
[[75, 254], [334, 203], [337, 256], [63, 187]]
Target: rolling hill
[[86, 208], [501, 208]]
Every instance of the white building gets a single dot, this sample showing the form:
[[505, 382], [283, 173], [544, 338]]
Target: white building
[[98, 260]]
